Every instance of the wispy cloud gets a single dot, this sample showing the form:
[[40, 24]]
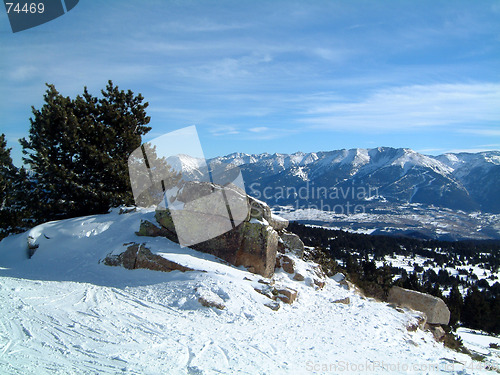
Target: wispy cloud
[[473, 149], [218, 131], [259, 129], [411, 107], [482, 132], [201, 25]]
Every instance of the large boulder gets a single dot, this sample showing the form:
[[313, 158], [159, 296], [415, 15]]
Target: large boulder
[[258, 248], [252, 242], [434, 308]]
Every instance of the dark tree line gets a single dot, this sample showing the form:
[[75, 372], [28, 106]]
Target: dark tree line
[[473, 303], [14, 183]]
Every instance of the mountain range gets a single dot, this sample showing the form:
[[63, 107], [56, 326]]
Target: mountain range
[[371, 177], [381, 190]]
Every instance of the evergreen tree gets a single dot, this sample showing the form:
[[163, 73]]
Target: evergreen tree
[[6, 169], [12, 198], [455, 303], [476, 312], [78, 150]]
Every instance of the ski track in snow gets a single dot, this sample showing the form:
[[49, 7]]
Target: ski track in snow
[[62, 317]]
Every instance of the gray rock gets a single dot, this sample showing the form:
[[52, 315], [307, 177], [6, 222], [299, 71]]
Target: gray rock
[[261, 211], [338, 277], [434, 308], [344, 301], [293, 243], [299, 277], [437, 331], [273, 305]]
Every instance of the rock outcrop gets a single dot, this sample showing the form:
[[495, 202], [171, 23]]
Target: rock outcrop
[[293, 243], [434, 308], [253, 243], [138, 256]]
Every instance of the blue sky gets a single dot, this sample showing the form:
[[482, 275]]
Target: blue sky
[[274, 76]]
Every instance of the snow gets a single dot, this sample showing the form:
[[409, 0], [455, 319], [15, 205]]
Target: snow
[[396, 218], [410, 159], [300, 173], [64, 312], [479, 342], [464, 163]]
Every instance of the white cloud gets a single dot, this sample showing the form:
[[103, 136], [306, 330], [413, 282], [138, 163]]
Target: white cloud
[[482, 132], [472, 150], [412, 107], [218, 131], [23, 73], [258, 129]]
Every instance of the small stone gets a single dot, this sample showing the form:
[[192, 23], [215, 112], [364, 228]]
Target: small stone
[[437, 331], [273, 305], [412, 327], [287, 264], [298, 277], [319, 283], [138, 256], [338, 277], [267, 291], [345, 301], [127, 210], [287, 295], [211, 303]]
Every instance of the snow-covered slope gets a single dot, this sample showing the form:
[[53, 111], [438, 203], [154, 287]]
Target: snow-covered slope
[[64, 312]]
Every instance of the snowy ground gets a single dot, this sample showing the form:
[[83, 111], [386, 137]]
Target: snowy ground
[[482, 344], [63, 312], [409, 219]]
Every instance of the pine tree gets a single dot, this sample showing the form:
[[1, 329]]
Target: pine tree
[[476, 311], [12, 187], [6, 168], [78, 150], [455, 303]]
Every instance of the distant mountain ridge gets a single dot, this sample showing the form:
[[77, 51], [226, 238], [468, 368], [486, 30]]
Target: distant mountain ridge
[[458, 181]]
